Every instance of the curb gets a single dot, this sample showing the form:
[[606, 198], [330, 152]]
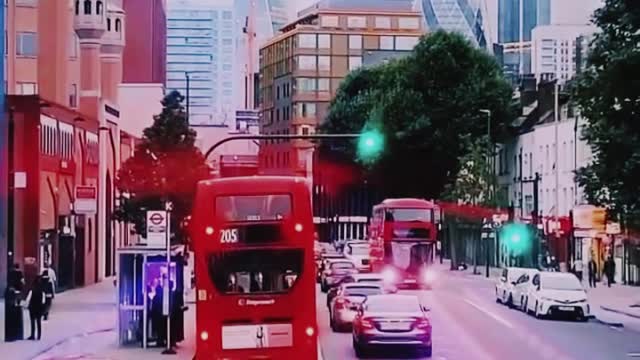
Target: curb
[[603, 307], [607, 323]]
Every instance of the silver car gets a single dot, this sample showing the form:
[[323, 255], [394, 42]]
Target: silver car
[[391, 321], [345, 303]]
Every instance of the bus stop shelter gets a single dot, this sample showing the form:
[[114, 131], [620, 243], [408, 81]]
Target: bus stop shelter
[[140, 269]]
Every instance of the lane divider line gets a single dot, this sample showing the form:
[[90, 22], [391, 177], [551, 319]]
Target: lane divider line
[[490, 314]]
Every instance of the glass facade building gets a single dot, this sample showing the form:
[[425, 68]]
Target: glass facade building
[[201, 46], [462, 16], [535, 12]]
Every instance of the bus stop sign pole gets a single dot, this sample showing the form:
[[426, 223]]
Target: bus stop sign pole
[[166, 303]]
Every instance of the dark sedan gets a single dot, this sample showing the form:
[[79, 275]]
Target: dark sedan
[[384, 321]]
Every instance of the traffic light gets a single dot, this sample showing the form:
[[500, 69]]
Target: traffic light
[[517, 237], [370, 145]]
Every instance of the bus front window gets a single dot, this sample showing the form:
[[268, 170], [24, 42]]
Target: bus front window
[[257, 271]]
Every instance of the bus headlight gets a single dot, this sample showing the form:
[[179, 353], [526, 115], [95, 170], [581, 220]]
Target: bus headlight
[[204, 336], [209, 230], [310, 331], [428, 276], [298, 227], [390, 275]]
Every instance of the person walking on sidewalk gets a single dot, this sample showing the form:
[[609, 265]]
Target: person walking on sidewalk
[[36, 303], [610, 270], [47, 287], [592, 269], [578, 269]]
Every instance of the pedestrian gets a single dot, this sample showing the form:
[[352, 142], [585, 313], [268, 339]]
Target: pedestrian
[[159, 320], [52, 276], [14, 328], [610, 270], [578, 269], [592, 268], [36, 303], [47, 287]]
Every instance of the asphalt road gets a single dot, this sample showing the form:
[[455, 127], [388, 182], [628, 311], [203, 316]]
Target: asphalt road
[[468, 324]]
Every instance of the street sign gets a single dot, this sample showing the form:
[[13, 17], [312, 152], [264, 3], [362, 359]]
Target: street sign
[[156, 228], [86, 201]]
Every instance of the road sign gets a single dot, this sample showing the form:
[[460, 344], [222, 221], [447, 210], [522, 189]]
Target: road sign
[[156, 228], [86, 201]]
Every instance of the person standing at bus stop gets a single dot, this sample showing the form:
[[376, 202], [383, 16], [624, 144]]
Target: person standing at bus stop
[[36, 304], [14, 329]]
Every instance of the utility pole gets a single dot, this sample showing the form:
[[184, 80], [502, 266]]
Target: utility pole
[[556, 124], [186, 74]]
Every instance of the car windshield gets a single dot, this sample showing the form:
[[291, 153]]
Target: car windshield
[[362, 291], [560, 283], [409, 215], [393, 304], [341, 265], [253, 208], [370, 280], [359, 250]]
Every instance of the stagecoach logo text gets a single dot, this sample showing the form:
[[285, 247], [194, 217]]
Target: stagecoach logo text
[[249, 302]]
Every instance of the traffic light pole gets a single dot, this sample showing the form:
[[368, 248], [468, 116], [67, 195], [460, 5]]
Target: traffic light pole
[[281, 137]]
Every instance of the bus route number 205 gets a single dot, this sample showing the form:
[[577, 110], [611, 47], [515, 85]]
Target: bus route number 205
[[229, 236]]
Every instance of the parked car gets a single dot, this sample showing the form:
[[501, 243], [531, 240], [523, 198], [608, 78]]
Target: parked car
[[345, 303], [519, 290], [391, 320], [556, 294], [506, 282]]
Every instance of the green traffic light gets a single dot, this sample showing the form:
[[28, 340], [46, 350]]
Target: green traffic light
[[370, 144], [517, 237]]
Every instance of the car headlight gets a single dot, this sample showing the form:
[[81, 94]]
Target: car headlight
[[582, 301], [390, 275], [547, 299]]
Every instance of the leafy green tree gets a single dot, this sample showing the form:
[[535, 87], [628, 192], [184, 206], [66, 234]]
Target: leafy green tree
[[166, 166], [424, 105], [610, 101]]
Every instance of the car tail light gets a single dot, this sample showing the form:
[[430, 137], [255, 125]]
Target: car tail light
[[423, 324], [366, 323]]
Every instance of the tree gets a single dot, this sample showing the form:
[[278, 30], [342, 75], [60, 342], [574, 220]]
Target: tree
[[166, 166], [611, 103], [424, 105]]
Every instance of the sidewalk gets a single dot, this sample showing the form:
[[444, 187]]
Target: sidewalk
[[75, 313], [619, 299]]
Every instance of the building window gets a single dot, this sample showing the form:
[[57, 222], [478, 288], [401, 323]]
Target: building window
[[118, 25], [73, 96], [386, 42], [99, 7], [87, 7], [73, 50], [227, 15], [307, 41], [305, 84], [324, 41], [108, 24], [408, 23], [306, 109], [383, 22], [323, 84], [27, 44], [324, 63], [26, 89], [307, 62], [355, 42], [357, 22], [77, 7], [329, 21], [354, 62], [406, 42]]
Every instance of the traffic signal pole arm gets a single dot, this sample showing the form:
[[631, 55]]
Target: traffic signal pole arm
[[280, 137]]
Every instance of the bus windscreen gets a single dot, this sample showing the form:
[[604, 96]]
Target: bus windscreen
[[238, 208], [409, 215], [255, 271]]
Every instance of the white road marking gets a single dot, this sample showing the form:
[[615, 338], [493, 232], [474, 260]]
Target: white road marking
[[491, 314]]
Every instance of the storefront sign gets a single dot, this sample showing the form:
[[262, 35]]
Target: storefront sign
[[589, 217], [86, 200], [613, 228]]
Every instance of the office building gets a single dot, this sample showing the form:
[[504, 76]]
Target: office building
[[516, 21], [145, 59], [301, 69], [554, 51], [465, 17], [201, 59]]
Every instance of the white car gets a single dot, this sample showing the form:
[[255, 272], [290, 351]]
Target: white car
[[506, 282], [358, 253], [520, 289], [556, 294]]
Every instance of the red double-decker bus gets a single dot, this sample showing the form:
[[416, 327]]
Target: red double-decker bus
[[403, 238], [254, 266]]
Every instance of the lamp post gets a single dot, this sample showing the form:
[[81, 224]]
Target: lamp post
[[186, 75]]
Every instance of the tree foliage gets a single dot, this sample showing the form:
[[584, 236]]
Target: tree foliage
[[425, 104], [610, 101], [166, 166]]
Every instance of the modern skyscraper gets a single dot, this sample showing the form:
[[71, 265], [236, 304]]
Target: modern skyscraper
[[534, 13], [462, 16], [201, 59]]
